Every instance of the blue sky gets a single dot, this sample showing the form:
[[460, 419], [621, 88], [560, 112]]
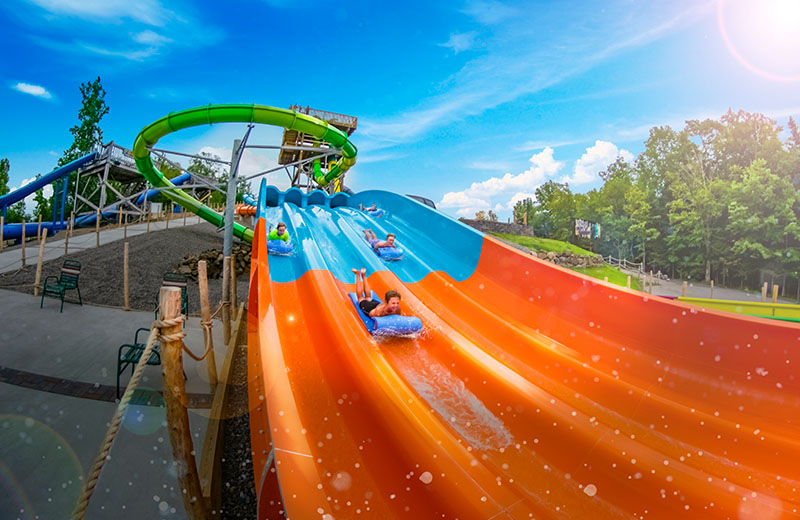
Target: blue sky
[[472, 104]]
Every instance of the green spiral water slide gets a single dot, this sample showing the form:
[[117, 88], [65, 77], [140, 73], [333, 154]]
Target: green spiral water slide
[[235, 113]]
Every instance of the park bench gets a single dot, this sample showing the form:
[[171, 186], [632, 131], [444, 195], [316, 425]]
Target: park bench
[[67, 281], [129, 354]]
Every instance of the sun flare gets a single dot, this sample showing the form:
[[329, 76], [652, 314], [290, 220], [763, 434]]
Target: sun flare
[[763, 36]]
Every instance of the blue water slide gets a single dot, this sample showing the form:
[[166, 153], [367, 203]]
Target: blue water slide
[[328, 234], [14, 231]]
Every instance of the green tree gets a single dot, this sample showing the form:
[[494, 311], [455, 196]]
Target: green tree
[[697, 213], [5, 167], [558, 205], [641, 229], [16, 212], [43, 206], [212, 171], [86, 134], [763, 220]]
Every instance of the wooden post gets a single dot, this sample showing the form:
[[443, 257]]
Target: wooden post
[[119, 218], [2, 223], [66, 239], [71, 222], [183, 210], [234, 295], [97, 227], [629, 282], [125, 229], [149, 216], [166, 213], [202, 280], [180, 435], [775, 289], [226, 303], [23, 242], [651, 281], [764, 293], [125, 286], [712, 289], [39, 266], [684, 287], [39, 229]]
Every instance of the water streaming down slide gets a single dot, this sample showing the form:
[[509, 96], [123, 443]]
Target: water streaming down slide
[[534, 392]]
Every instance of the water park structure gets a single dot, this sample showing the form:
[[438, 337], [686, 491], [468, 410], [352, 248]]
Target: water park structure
[[531, 391]]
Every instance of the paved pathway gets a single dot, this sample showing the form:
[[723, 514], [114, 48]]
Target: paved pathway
[[49, 434], [11, 259]]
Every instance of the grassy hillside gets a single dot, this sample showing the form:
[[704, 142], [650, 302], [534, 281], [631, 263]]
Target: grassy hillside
[[614, 275], [546, 244]]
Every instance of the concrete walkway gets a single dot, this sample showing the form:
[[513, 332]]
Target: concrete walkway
[[701, 290], [48, 440], [11, 259]]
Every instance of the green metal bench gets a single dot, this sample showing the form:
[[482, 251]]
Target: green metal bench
[[130, 354], [67, 281]]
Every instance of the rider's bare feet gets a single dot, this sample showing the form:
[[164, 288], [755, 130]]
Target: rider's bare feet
[[363, 270], [355, 271]]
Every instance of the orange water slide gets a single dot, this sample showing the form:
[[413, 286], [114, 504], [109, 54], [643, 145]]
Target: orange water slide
[[534, 392]]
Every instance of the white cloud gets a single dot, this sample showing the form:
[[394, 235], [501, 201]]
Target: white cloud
[[149, 12], [149, 37], [594, 160], [460, 42], [30, 204], [494, 191], [33, 90], [458, 199], [134, 31], [525, 54]]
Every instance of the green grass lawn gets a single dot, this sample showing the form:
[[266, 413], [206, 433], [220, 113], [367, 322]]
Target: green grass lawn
[[614, 275], [543, 244], [546, 244]]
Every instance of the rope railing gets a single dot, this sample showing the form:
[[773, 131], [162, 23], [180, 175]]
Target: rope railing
[[103, 455]]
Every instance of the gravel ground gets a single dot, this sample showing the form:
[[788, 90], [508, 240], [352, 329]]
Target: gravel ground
[[238, 487], [150, 256]]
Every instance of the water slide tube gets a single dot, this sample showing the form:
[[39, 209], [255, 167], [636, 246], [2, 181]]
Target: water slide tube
[[533, 392], [212, 114], [14, 231]]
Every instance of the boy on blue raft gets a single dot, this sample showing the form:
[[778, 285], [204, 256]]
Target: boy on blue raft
[[279, 233], [278, 240], [385, 249], [381, 319], [373, 210], [370, 307]]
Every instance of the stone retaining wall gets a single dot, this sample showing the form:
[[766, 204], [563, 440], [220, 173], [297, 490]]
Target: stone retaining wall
[[488, 226]]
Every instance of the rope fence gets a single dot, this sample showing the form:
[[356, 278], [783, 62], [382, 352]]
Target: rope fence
[[103, 455]]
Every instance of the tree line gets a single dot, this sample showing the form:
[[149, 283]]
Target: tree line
[[716, 200]]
